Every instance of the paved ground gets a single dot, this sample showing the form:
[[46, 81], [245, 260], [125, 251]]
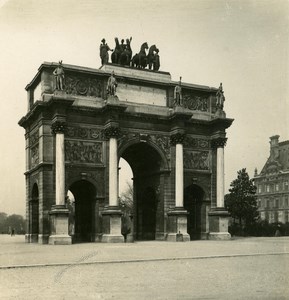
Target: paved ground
[[251, 268]]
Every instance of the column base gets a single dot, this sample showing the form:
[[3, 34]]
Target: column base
[[59, 226], [27, 238], [111, 238], [219, 236], [34, 238], [177, 226], [43, 238], [218, 224], [60, 240], [178, 237], [111, 221]]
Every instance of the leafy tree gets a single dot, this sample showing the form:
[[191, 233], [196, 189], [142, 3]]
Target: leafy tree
[[3, 218], [241, 202], [17, 222], [13, 221]]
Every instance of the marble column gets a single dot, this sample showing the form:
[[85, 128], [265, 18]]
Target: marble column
[[220, 176], [59, 213], [219, 216], [179, 174], [111, 216], [177, 217], [113, 172]]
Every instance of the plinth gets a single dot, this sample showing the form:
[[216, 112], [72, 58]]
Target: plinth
[[218, 224], [177, 226], [59, 226], [111, 220]]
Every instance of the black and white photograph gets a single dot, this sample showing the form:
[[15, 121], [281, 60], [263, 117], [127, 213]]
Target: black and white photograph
[[144, 149]]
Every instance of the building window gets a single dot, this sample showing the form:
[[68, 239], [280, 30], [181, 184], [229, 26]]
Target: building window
[[277, 203], [286, 201], [267, 188], [285, 185], [259, 188], [277, 187], [285, 216]]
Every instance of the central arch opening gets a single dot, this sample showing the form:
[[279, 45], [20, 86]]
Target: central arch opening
[[145, 163], [82, 211]]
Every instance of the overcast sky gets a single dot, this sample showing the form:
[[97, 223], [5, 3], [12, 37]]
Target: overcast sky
[[243, 44]]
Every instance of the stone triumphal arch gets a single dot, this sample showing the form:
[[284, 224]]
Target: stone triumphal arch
[[171, 134]]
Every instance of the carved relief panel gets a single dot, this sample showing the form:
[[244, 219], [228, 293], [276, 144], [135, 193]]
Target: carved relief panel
[[162, 141], [194, 101], [34, 149], [83, 152], [83, 86], [197, 155], [84, 133], [197, 160]]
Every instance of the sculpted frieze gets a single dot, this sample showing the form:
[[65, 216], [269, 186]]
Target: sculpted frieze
[[197, 160], [34, 155], [85, 133], [196, 143], [195, 102], [163, 142], [34, 138], [76, 85], [83, 152]]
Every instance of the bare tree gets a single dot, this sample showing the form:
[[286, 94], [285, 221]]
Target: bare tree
[[126, 199]]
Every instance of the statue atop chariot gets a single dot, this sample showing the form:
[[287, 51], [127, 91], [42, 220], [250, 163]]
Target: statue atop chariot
[[147, 57]]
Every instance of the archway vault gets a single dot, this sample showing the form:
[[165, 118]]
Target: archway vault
[[83, 216], [147, 164], [164, 160]]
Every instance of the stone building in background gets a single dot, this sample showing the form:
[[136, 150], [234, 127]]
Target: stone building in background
[[272, 183]]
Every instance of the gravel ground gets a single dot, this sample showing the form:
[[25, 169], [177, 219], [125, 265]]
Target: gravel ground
[[253, 268]]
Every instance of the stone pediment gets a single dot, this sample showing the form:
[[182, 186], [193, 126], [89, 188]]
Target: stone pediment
[[271, 167]]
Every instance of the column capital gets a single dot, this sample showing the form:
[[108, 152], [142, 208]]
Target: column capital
[[111, 132], [219, 142], [58, 127], [177, 138]]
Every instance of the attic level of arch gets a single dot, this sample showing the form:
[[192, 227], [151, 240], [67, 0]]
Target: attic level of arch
[[143, 87]]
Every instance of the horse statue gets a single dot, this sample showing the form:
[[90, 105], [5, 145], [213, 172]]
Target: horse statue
[[116, 53], [140, 60], [151, 56], [125, 56]]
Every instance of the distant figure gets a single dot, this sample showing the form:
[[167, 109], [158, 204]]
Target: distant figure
[[278, 231], [220, 97], [12, 232], [103, 52], [111, 85], [178, 94], [59, 76], [156, 63]]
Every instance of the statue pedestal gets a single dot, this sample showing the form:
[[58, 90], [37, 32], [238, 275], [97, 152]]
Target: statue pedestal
[[177, 226], [111, 221], [218, 224], [59, 226]]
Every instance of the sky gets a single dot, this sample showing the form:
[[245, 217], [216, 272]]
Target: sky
[[243, 44]]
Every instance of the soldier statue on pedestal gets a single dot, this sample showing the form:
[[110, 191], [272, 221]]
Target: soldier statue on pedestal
[[59, 76], [220, 97], [111, 85], [178, 94]]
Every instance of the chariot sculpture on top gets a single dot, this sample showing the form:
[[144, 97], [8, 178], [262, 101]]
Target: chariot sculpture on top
[[122, 55]]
